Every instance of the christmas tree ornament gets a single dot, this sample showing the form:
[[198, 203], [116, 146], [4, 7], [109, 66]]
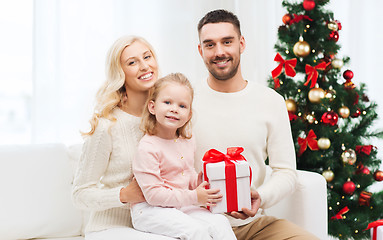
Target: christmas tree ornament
[[364, 149], [291, 105], [340, 214], [330, 94], [301, 48], [286, 18], [289, 66], [308, 5], [356, 113], [324, 143], [348, 75], [312, 73], [378, 176], [328, 175], [337, 63], [349, 156], [332, 26], [344, 112], [339, 25], [316, 94], [334, 35], [365, 171], [349, 187], [310, 118], [364, 198], [330, 118], [309, 141]]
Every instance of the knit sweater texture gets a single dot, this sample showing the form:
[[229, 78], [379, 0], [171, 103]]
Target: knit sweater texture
[[104, 168], [256, 119]]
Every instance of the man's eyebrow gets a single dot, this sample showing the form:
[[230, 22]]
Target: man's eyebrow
[[224, 38]]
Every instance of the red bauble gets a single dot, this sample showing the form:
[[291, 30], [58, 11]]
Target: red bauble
[[378, 176], [365, 171], [308, 5], [286, 18], [348, 75], [357, 113], [349, 187], [339, 25], [334, 36], [330, 118]]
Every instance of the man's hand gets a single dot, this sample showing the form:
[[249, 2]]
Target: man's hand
[[255, 203]]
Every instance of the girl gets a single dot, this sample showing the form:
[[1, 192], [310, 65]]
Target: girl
[[101, 183], [164, 169]]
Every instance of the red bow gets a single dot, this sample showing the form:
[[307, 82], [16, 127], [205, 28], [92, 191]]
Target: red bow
[[310, 141], [364, 149], [312, 73], [340, 213], [288, 64], [298, 18], [233, 154], [374, 225], [276, 83]]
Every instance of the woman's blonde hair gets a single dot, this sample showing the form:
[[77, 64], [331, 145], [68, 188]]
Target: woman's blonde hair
[[148, 122], [112, 92]]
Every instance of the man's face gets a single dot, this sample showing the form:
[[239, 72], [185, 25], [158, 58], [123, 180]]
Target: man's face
[[220, 48]]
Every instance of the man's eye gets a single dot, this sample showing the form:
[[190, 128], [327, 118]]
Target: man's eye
[[227, 42]]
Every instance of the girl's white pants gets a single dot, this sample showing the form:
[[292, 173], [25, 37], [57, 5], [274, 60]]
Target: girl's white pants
[[187, 223]]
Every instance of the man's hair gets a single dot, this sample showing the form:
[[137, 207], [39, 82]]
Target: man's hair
[[220, 15]]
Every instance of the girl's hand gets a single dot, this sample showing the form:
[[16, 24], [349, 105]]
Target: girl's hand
[[207, 197], [132, 193]]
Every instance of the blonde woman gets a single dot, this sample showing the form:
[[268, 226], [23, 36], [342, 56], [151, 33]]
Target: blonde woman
[[164, 170], [104, 183]]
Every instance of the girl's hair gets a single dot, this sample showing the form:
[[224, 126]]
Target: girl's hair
[[149, 121], [112, 92]]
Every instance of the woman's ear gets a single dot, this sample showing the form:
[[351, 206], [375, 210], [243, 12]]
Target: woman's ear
[[151, 107]]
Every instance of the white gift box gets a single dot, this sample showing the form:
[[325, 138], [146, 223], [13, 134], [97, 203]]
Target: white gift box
[[215, 173], [379, 233]]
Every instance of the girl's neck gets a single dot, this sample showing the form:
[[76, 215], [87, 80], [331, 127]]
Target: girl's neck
[[166, 133], [134, 103]]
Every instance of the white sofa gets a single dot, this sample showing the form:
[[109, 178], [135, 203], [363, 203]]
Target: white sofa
[[35, 197]]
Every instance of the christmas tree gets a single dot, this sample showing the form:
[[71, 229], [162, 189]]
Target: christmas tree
[[330, 116]]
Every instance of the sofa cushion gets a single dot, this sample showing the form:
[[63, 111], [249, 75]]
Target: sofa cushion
[[36, 183]]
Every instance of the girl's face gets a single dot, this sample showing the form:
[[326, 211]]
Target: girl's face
[[139, 66], [172, 109]]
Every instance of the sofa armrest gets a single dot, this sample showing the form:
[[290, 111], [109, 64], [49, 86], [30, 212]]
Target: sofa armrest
[[307, 206]]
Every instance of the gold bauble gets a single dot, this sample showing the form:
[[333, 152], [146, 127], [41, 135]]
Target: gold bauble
[[291, 105], [332, 26], [337, 63], [310, 118], [330, 94], [301, 48], [324, 143], [344, 112], [316, 94], [349, 156], [328, 175]]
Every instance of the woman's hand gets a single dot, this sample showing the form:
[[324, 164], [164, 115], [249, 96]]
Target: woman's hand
[[207, 197], [132, 193]]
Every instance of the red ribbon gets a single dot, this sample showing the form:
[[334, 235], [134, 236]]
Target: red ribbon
[[310, 141], [340, 213], [288, 64], [312, 73], [233, 154], [298, 18], [374, 225], [366, 149], [276, 83]]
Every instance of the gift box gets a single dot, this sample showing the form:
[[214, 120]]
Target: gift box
[[230, 173], [376, 229]]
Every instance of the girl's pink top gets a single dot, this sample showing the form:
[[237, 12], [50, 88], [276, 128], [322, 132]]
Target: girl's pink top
[[164, 169]]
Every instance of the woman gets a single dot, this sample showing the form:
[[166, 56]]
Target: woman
[[104, 183]]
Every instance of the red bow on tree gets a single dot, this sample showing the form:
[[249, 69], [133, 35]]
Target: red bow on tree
[[312, 73], [298, 18], [366, 149], [340, 213], [288, 64], [310, 141]]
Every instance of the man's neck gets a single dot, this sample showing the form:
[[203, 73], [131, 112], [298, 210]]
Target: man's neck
[[234, 84]]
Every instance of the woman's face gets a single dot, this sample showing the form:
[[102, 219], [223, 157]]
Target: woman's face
[[139, 66]]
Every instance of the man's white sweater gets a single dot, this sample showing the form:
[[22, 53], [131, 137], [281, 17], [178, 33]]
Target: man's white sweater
[[256, 119]]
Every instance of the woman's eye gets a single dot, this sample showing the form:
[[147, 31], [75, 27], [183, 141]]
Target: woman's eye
[[131, 63], [147, 57]]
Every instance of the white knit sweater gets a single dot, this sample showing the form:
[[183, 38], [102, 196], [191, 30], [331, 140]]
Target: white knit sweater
[[105, 167], [256, 119]]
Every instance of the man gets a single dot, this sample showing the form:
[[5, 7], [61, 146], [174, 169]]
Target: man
[[231, 111]]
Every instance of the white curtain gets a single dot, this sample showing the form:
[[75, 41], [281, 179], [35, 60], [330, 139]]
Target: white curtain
[[71, 38]]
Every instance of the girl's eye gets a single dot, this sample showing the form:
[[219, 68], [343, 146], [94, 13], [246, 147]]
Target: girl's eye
[[167, 102], [182, 106]]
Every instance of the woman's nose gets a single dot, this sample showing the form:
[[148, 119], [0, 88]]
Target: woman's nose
[[144, 66]]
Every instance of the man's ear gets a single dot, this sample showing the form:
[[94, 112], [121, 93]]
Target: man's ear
[[151, 106], [242, 43], [200, 49]]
